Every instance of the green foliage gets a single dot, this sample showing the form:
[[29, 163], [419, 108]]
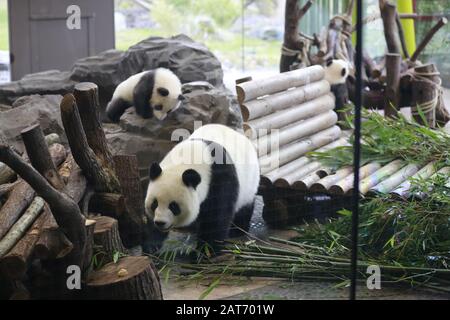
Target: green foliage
[[407, 233], [384, 140], [4, 43]]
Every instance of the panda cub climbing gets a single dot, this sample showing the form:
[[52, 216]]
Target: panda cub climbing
[[207, 183], [150, 92], [336, 73]]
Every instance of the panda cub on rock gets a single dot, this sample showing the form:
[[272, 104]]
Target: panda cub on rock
[[206, 183], [150, 92]]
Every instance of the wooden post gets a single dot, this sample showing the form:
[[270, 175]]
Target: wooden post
[[132, 278], [393, 64], [391, 32], [106, 236], [292, 40], [39, 156], [425, 94], [101, 178]]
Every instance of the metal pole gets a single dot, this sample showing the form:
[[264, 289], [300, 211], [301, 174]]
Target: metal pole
[[357, 146]]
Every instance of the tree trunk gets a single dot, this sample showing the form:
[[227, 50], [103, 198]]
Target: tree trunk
[[393, 64], [131, 278], [107, 236], [391, 32]]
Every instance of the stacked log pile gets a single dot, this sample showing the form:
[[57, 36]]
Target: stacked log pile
[[399, 80], [288, 117], [62, 209]]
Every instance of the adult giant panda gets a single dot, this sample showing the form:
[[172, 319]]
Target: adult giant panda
[[150, 92], [207, 183], [336, 73]]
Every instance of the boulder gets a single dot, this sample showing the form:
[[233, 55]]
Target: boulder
[[30, 110], [191, 61], [151, 139]]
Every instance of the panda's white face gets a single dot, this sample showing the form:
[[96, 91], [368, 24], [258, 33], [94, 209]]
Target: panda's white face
[[166, 96], [336, 71], [172, 200]]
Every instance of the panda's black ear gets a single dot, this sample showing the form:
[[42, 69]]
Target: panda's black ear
[[155, 171], [191, 178], [163, 92], [329, 62]]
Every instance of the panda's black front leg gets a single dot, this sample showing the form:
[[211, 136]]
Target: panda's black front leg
[[116, 108], [213, 227], [143, 108]]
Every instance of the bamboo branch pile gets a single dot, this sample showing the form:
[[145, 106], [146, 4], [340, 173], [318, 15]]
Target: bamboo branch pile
[[47, 217]]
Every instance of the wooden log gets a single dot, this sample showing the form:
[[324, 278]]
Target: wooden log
[[372, 180], [101, 178], [21, 196], [425, 97], [442, 172], [131, 228], [292, 40], [401, 34], [254, 109], [326, 183], [295, 150], [395, 180], [292, 177], [393, 63], [403, 190], [257, 88], [391, 32], [6, 173], [5, 189], [20, 227], [39, 155], [442, 22], [52, 244], [87, 101], [297, 131], [298, 164], [15, 263], [131, 278], [109, 204], [261, 126], [343, 186], [66, 212], [107, 237], [89, 252], [306, 182], [76, 181]]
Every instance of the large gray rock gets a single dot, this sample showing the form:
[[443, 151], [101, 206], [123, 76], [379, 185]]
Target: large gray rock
[[191, 61], [28, 111], [150, 139]]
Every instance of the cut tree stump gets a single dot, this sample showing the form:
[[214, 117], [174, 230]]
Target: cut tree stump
[[107, 236], [131, 278]]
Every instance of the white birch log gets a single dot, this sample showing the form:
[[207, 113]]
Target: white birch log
[[326, 183], [262, 126], [403, 191], [371, 181], [297, 149], [343, 186], [395, 180], [257, 88], [297, 131], [292, 177], [297, 164], [306, 182], [267, 105], [20, 227]]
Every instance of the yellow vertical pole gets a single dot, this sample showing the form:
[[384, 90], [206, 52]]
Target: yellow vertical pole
[[406, 6]]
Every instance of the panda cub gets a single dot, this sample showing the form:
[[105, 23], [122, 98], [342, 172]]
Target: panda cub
[[150, 92], [207, 184], [336, 73]]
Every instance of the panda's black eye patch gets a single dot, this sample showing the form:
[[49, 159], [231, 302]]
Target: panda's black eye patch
[[154, 205], [158, 107], [163, 92], [175, 208]]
